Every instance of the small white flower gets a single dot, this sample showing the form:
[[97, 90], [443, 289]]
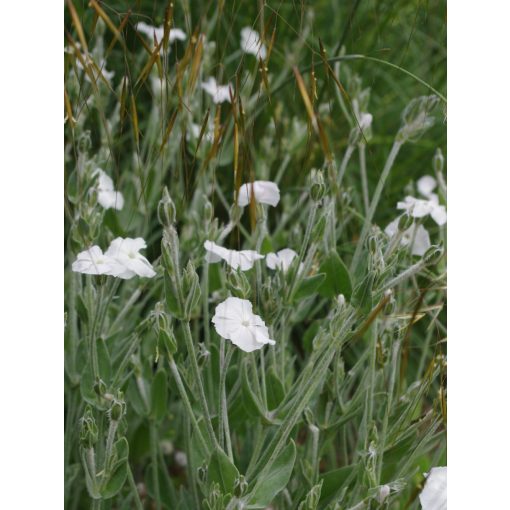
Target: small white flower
[[264, 192], [282, 260], [251, 43], [126, 253], [418, 208], [106, 194], [433, 495], [426, 185], [235, 321], [219, 93], [417, 235], [93, 261], [150, 31], [235, 259]]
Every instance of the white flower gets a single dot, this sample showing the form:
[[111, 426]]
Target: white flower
[[426, 185], [235, 321], [106, 194], [126, 253], [235, 259], [418, 208], [383, 493], [418, 235], [282, 260], [433, 495], [219, 93], [264, 192], [150, 31], [92, 261], [251, 43]]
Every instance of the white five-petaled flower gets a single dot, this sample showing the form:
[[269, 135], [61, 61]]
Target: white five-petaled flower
[[93, 261], [235, 321], [417, 235], [433, 495], [106, 194], [243, 259], [251, 43], [418, 208], [263, 192], [126, 252], [175, 34], [219, 93], [282, 260]]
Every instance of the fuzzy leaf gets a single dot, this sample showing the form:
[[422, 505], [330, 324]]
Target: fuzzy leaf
[[222, 471], [275, 480], [309, 286], [338, 280], [159, 395]]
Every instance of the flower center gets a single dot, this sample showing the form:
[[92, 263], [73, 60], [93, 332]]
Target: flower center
[[245, 323], [131, 255]]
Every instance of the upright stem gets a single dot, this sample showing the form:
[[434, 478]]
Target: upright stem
[[154, 463], [343, 165], [223, 424], [373, 205], [198, 379], [134, 490], [363, 173], [187, 405]]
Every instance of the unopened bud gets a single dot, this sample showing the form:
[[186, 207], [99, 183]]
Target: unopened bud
[[416, 118], [383, 493], [238, 284], [190, 289], [84, 142], [240, 486], [88, 429], [117, 408], [317, 185], [432, 255], [99, 387], [438, 161], [405, 222], [166, 209]]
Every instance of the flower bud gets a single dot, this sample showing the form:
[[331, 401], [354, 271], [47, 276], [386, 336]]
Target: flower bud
[[240, 486], [84, 142], [438, 161], [88, 429], [166, 209], [208, 210], [317, 185], [383, 493], [416, 118], [405, 222], [117, 408], [190, 289], [170, 250], [238, 284], [432, 255], [99, 387]]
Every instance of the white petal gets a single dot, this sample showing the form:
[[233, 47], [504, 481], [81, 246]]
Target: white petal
[[232, 308], [392, 228], [141, 266], [176, 34], [245, 339], [438, 214], [433, 496], [264, 192], [416, 207], [426, 185], [421, 241], [272, 260], [105, 182], [251, 43]]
